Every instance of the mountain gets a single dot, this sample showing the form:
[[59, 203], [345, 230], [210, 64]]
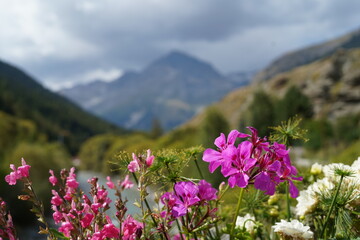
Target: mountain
[[331, 84], [171, 89], [308, 55], [54, 116]]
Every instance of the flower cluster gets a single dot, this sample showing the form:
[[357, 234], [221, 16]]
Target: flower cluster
[[7, 229], [17, 173], [192, 209], [309, 199], [186, 198], [82, 216], [139, 162], [253, 161]]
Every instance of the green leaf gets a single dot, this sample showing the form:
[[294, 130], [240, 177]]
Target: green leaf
[[57, 234]]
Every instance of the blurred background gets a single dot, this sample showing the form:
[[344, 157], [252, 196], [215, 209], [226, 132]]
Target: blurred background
[[82, 80]]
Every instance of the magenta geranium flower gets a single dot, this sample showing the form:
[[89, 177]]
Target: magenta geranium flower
[[185, 196], [206, 191], [239, 165], [253, 161], [216, 158], [186, 193]]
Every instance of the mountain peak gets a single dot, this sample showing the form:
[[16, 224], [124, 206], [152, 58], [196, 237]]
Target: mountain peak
[[184, 62], [176, 57]]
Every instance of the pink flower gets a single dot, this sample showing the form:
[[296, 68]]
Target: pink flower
[[216, 158], [71, 180], [12, 177], [109, 230], [239, 165], [72, 183], [56, 199], [186, 193], [66, 228], [52, 179], [253, 161], [149, 159], [86, 220], [178, 237], [126, 184], [168, 199], [131, 229], [23, 170], [206, 191], [16, 174], [109, 183], [57, 215], [134, 164]]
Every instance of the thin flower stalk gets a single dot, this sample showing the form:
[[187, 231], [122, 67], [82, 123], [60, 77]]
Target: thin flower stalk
[[331, 207], [236, 213], [288, 210]]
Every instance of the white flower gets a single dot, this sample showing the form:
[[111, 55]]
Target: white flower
[[248, 220], [306, 202], [316, 169], [356, 165], [329, 170], [321, 185], [308, 199], [293, 229]]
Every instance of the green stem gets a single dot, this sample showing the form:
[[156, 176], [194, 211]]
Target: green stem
[[198, 168], [147, 204], [236, 213], [180, 232], [288, 202], [331, 207], [40, 206]]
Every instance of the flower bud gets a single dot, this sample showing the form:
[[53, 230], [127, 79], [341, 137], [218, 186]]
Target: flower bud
[[24, 197], [316, 169], [222, 186], [273, 199], [274, 212]]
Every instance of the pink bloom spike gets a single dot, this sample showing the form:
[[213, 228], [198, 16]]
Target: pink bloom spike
[[52, 179]]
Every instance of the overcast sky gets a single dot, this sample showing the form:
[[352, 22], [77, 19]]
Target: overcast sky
[[62, 42]]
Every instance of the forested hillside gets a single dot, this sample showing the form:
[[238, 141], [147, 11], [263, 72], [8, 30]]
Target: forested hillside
[[53, 115]]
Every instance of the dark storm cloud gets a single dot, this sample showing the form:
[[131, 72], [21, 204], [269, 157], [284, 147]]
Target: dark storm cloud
[[70, 38]]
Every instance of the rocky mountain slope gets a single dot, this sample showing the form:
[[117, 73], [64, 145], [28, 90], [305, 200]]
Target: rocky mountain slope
[[308, 55], [332, 85], [171, 89]]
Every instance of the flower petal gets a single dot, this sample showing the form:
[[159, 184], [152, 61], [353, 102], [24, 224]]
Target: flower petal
[[220, 141], [294, 192], [242, 180]]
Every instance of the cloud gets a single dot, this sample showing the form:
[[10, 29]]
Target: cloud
[[64, 39], [106, 75]]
